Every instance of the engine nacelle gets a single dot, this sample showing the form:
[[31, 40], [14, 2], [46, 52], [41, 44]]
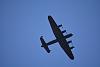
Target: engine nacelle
[[68, 35], [63, 31], [69, 42], [72, 47], [60, 25]]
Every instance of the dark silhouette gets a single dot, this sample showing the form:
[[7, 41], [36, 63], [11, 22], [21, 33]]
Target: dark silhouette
[[60, 38]]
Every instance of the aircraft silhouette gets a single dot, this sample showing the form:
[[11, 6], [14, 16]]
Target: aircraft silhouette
[[60, 38]]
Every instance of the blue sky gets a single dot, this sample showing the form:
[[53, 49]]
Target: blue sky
[[22, 22]]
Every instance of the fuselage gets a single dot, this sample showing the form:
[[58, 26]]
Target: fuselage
[[60, 37]]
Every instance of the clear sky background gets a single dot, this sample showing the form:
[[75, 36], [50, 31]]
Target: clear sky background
[[22, 22]]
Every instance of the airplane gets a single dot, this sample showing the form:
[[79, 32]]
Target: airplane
[[60, 38]]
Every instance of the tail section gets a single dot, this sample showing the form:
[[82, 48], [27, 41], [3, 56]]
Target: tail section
[[44, 44]]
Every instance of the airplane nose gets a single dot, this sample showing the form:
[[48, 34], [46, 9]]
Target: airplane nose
[[71, 34]]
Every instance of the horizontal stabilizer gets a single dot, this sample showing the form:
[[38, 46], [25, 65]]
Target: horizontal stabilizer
[[44, 44]]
